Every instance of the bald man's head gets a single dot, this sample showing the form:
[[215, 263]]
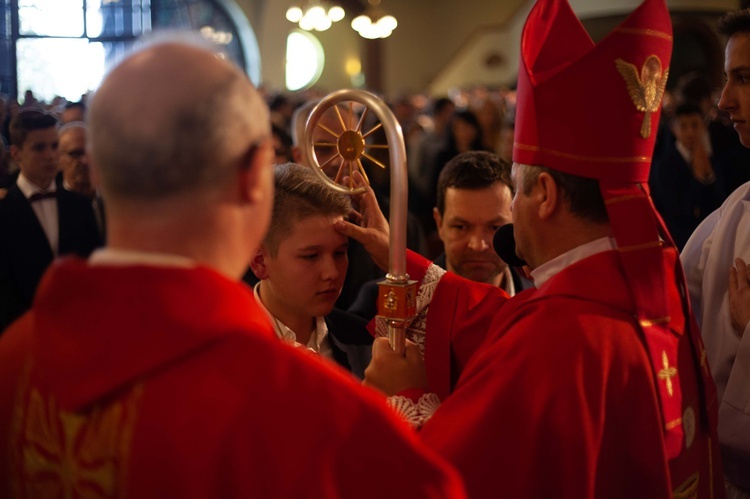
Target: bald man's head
[[173, 119]]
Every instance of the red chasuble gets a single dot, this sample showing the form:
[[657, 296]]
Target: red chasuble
[[146, 382], [556, 395]]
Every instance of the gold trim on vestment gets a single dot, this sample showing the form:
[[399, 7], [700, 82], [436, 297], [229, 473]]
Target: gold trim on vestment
[[597, 159], [648, 32], [636, 247], [688, 489], [653, 322], [620, 199], [674, 423]]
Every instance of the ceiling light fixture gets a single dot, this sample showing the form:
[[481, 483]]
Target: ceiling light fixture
[[374, 22], [316, 15]]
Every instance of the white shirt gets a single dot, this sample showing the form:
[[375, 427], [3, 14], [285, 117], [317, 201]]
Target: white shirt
[[508, 285], [707, 257], [318, 342], [111, 256], [44, 209], [687, 155], [544, 272]]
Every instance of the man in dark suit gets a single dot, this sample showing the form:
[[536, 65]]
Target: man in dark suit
[[75, 174], [688, 181], [38, 221]]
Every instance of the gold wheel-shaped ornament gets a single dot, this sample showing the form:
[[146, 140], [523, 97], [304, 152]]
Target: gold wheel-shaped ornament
[[346, 143]]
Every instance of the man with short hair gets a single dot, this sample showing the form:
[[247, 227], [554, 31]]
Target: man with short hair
[[473, 201], [474, 194], [38, 221], [592, 385], [149, 370], [720, 241], [74, 111], [75, 172], [73, 159]]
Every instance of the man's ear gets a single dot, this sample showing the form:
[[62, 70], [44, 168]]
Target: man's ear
[[256, 173], [258, 263], [438, 221], [549, 195], [15, 153]]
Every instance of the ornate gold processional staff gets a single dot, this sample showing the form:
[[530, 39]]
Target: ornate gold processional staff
[[396, 294]]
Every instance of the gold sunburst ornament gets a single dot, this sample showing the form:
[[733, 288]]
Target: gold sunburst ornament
[[344, 144], [646, 90]]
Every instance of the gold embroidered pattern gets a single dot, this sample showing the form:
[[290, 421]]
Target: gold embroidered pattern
[[648, 32], [577, 157], [672, 424], [689, 489], [667, 373], [622, 199], [391, 300], [66, 454], [653, 322], [646, 90]]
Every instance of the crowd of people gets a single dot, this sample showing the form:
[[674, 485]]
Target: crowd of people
[[187, 310]]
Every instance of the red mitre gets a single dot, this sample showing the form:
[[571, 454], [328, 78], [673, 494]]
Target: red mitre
[[592, 110]]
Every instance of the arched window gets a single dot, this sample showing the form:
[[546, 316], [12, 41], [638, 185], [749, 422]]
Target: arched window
[[63, 47], [304, 60]]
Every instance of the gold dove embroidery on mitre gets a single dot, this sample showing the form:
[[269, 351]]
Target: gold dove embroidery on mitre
[[646, 90]]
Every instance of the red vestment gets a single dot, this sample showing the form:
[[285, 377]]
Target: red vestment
[[140, 381], [552, 393]]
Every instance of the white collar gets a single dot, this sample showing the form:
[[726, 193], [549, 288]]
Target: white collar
[[544, 272], [287, 335], [684, 152], [113, 256], [29, 188], [509, 286]]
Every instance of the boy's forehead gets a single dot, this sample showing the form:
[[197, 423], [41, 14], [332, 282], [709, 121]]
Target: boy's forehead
[[309, 224], [41, 135]]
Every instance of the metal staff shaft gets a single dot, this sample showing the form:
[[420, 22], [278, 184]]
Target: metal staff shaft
[[397, 294]]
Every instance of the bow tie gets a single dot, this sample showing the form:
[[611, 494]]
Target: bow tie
[[38, 196]]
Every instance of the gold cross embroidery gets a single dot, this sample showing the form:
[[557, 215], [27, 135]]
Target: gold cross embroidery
[[667, 373]]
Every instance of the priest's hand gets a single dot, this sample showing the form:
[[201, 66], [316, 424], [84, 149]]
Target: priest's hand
[[371, 228], [392, 373], [739, 295]]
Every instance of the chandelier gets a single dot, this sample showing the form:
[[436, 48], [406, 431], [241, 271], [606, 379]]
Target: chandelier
[[374, 22], [315, 15]]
